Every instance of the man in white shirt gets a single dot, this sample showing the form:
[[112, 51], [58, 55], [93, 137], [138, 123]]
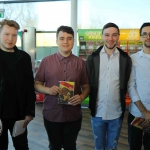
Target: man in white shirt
[[109, 71], [139, 91]]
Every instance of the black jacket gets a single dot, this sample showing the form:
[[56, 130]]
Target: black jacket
[[92, 65], [25, 83]]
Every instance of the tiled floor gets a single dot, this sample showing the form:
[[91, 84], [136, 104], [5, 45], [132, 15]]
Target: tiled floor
[[38, 138]]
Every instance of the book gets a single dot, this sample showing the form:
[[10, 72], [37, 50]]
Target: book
[[18, 128], [1, 127], [137, 122], [67, 88]]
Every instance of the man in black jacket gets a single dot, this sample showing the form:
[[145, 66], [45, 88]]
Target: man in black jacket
[[109, 71], [17, 96]]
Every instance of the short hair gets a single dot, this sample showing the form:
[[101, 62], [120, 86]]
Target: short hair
[[65, 29], [10, 23], [146, 24], [110, 24]]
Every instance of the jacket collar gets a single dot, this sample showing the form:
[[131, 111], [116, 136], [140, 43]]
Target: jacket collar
[[100, 48]]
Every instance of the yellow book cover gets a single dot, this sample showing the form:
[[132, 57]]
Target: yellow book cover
[[67, 91], [137, 122]]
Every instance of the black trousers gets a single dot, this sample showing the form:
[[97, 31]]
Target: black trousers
[[20, 142], [62, 134], [136, 136]]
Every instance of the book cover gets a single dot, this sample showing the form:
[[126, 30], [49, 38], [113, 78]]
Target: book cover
[[18, 128], [137, 122], [67, 91]]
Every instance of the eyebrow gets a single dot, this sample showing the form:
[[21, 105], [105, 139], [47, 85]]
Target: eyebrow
[[112, 33], [67, 37], [145, 32]]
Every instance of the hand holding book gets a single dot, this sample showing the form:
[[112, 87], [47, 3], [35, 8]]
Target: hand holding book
[[141, 123], [67, 91], [75, 100], [18, 128]]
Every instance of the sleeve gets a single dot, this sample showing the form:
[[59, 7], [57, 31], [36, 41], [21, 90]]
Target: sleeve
[[84, 78], [89, 67], [128, 71], [30, 93], [132, 84], [40, 75]]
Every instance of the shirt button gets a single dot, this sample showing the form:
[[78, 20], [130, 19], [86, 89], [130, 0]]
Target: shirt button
[[64, 70]]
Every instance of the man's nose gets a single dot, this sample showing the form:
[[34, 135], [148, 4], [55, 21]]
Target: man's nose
[[10, 38], [66, 40]]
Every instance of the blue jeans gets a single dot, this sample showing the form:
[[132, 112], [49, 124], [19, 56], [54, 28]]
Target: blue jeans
[[106, 133]]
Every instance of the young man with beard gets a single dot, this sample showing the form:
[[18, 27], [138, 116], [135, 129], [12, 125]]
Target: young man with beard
[[17, 95], [109, 71], [62, 122], [139, 91]]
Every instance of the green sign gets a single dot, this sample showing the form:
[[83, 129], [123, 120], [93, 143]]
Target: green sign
[[90, 34], [1, 14]]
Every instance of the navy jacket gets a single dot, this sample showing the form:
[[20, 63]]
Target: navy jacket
[[25, 83], [92, 64]]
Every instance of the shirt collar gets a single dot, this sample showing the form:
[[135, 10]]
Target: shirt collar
[[62, 57], [114, 53], [141, 53]]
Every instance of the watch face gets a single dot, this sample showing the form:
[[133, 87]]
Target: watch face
[[1, 127]]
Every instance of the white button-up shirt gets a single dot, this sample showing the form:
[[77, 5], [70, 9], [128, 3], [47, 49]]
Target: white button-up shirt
[[139, 83], [108, 102]]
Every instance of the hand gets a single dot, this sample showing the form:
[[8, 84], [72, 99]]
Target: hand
[[54, 90], [27, 120], [146, 122], [146, 114], [75, 100]]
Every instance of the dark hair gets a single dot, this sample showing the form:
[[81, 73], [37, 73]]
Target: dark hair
[[110, 24], [65, 29], [10, 23], [146, 24]]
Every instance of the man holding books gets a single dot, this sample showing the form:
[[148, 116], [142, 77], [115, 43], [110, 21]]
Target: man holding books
[[62, 122], [17, 95], [139, 92]]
